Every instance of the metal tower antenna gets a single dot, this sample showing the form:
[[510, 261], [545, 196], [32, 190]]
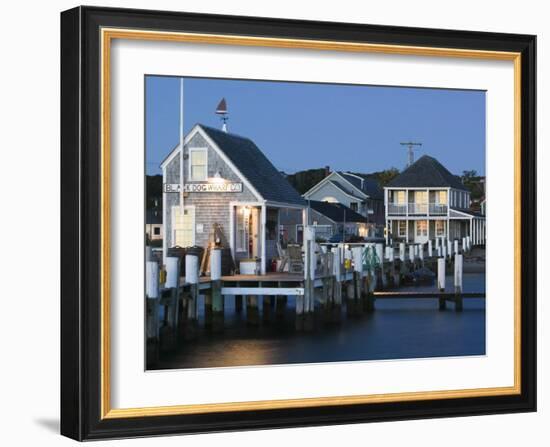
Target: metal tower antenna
[[410, 149], [222, 111]]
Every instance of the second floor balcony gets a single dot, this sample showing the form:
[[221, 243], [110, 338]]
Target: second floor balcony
[[417, 209]]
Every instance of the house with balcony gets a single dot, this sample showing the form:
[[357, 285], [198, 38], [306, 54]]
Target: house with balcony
[[426, 202], [357, 192]]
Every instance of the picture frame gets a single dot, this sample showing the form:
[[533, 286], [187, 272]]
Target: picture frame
[[86, 37]]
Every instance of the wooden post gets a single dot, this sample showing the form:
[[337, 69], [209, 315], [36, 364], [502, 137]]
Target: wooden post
[[458, 282], [238, 303], [172, 283], [411, 256], [310, 265], [192, 278], [337, 283], [371, 284], [216, 290], [430, 249], [402, 251], [152, 308], [252, 311], [354, 301], [449, 249], [380, 254], [456, 246], [421, 254], [441, 282], [280, 306]]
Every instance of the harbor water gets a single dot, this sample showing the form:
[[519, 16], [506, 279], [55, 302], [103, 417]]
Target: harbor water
[[397, 329]]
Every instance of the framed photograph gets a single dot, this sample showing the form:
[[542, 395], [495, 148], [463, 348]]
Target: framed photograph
[[276, 223]]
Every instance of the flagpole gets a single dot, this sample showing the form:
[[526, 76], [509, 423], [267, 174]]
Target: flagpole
[[181, 152]]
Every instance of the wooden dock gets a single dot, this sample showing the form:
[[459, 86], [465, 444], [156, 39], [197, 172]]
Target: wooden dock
[[332, 282]]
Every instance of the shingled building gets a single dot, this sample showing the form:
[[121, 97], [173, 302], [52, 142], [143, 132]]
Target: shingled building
[[227, 181]]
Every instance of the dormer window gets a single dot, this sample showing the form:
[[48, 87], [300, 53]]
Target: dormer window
[[198, 164]]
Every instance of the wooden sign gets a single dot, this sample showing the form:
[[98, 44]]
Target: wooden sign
[[204, 187]]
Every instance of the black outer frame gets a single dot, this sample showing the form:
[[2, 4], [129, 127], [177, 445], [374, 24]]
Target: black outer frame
[[80, 223]]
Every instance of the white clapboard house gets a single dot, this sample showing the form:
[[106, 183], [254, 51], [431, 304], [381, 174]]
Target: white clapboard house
[[358, 192], [426, 201], [229, 182]]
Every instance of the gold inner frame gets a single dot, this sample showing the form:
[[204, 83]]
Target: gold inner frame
[[107, 35]]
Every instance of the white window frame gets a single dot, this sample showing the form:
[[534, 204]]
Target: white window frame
[[244, 249], [404, 234], [423, 231], [190, 166]]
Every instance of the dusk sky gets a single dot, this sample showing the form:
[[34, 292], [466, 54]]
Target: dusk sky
[[303, 126]]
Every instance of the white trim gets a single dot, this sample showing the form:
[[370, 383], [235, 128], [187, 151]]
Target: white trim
[[263, 253], [198, 129], [189, 164], [328, 179], [262, 291]]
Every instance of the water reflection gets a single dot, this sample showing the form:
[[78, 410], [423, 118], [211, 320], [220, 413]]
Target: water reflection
[[397, 329]]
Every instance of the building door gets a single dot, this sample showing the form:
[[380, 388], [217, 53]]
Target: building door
[[255, 249], [420, 231], [183, 233]]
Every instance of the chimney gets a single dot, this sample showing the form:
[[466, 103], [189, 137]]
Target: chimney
[[327, 171]]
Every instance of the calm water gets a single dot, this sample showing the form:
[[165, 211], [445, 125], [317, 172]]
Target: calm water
[[397, 329]]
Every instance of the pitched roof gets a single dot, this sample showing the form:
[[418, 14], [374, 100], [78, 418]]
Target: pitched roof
[[427, 172], [336, 211], [255, 166], [364, 183]]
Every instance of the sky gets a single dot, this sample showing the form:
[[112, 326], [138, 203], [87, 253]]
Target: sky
[[305, 125]]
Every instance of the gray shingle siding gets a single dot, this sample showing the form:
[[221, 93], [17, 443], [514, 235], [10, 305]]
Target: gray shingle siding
[[210, 208]]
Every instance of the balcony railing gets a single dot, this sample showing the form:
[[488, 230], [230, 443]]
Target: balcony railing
[[398, 210], [437, 209], [417, 209]]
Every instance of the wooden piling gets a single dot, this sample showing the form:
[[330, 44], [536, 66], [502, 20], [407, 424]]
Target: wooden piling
[[458, 283], [353, 303], [152, 304], [280, 306], [192, 279], [238, 303], [252, 311], [337, 287], [169, 330], [441, 282], [310, 265], [217, 300]]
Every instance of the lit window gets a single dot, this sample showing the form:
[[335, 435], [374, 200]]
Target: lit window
[[422, 228], [198, 164], [441, 197], [399, 197]]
